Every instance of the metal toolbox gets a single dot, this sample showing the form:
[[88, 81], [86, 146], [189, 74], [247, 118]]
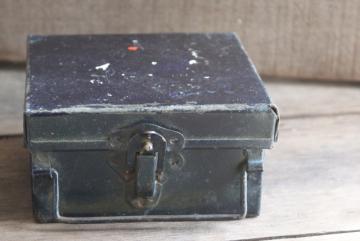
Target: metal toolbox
[[145, 127]]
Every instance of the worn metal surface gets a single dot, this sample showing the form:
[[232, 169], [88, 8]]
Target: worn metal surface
[[159, 69], [91, 100]]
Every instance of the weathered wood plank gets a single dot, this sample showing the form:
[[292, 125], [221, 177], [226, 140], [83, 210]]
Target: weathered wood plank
[[12, 90], [311, 185], [351, 235], [332, 237], [300, 99], [299, 38]]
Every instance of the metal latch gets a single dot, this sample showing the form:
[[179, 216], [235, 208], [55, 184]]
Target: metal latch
[[146, 164], [148, 147]]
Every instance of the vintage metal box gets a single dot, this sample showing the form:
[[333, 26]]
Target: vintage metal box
[[145, 127]]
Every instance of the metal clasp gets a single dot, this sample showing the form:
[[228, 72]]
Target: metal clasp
[[147, 148], [146, 165]]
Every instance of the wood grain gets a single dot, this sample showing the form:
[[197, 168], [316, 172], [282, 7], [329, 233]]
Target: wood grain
[[12, 92], [311, 185], [299, 38], [308, 99], [332, 237]]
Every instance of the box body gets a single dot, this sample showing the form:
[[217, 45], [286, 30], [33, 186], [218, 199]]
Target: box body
[[145, 127]]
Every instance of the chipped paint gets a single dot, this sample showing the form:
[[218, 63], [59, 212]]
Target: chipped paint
[[93, 81], [103, 67], [192, 61], [194, 54], [33, 39], [156, 108]]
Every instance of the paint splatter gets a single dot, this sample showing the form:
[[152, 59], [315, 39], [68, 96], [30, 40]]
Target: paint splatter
[[154, 63], [133, 48], [194, 54], [92, 81], [103, 67], [109, 94], [192, 61], [150, 75], [206, 77]]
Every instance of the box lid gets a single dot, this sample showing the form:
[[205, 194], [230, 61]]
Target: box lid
[[140, 73]]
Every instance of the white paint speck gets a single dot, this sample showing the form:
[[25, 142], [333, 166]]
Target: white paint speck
[[206, 77], [154, 63], [109, 94], [103, 67], [192, 61], [135, 41], [195, 54], [132, 76], [92, 81], [150, 75], [122, 74]]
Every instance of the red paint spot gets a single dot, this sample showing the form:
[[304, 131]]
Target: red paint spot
[[133, 48]]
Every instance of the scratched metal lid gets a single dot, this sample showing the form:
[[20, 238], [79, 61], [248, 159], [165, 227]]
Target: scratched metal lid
[[82, 73]]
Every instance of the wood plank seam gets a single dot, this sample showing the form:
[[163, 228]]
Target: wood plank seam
[[304, 235], [320, 115]]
